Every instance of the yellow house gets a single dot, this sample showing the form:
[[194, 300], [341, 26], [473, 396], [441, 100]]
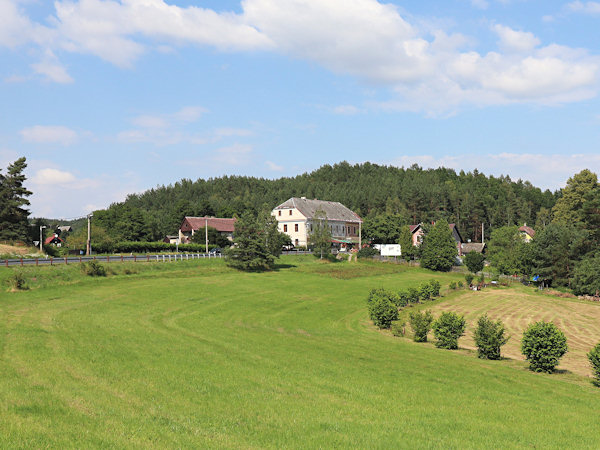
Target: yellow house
[[295, 218], [527, 233]]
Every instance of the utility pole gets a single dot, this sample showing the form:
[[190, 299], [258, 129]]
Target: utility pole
[[41, 238], [88, 247], [482, 237], [206, 233]]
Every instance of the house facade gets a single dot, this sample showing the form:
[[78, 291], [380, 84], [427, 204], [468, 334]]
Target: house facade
[[191, 225], [527, 233], [418, 233], [296, 216]]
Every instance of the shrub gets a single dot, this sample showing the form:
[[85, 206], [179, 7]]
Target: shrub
[[460, 285], [474, 261], [481, 278], [383, 312], [367, 252], [434, 288], [543, 344], [413, 295], [489, 337], [424, 292], [594, 358], [17, 282], [384, 293], [403, 299], [93, 269], [398, 328], [420, 322], [452, 285], [447, 329], [469, 278]]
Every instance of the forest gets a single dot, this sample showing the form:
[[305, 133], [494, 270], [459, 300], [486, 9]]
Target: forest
[[379, 194]]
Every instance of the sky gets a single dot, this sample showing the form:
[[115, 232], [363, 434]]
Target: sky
[[111, 97]]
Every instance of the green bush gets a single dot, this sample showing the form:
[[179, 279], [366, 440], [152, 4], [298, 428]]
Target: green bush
[[403, 299], [383, 312], [447, 329], [434, 288], [367, 252], [93, 269], [489, 337], [424, 292], [17, 282], [420, 322], [398, 328], [481, 279], [453, 285], [469, 278], [460, 285], [413, 295], [594, 358], [474, 261], [543, 344]]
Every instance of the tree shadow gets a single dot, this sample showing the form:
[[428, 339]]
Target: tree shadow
[[279, 267]]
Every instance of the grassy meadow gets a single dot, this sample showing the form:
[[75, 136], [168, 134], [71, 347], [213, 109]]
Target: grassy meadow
[[195, 354]]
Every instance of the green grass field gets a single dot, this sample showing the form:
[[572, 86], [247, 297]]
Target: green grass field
[[198, 355]]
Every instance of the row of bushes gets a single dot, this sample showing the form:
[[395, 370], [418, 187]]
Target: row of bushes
[[146, 247], [383, 305]]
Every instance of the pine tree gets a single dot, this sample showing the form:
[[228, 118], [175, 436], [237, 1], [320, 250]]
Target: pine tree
[[13, 199], [251, 250], [320, 236], [439, 248]]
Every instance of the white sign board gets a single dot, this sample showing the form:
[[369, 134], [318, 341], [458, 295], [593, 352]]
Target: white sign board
[[390, 250]]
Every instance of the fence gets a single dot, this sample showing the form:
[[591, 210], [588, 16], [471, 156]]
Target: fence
[[108, 259]]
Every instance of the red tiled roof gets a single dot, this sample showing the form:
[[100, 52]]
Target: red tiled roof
[[414, 228], [50, 239], [194, 223], [525, 229]]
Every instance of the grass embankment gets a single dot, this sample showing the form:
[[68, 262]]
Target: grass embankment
[[520, 306], [203, 356]]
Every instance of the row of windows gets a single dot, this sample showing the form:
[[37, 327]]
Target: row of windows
[[280, 212], [338, 228]]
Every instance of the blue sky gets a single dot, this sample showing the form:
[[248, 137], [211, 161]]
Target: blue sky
[[107, 98]]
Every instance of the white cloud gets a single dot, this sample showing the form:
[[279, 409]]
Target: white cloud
[[274, 167], [228, 132], [427, 69], [234, 155], [481, 4], [52, 177], [346, 110], [52, 69], [515, 41], [40, 134], [584, 7], [189, 113], [544, 171]]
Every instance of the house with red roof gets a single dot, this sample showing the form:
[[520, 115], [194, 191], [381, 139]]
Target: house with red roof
[[418, 232], [191, 225], [527, 233], [54, 240]]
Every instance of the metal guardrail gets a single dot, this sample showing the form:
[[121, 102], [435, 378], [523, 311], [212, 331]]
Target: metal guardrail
[[107, 259]]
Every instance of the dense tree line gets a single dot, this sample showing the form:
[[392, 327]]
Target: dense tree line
[[565, 250], [382, 195]]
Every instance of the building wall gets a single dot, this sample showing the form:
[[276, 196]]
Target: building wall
[[292, 218]]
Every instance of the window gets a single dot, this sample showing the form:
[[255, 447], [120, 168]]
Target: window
[[296, 242], [348, 230], [290, 212], [296, 227], [285, 228], [279, 212]]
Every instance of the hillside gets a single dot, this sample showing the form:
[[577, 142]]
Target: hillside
[[412, 194], [285, 359]]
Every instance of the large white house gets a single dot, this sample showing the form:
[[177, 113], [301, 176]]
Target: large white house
[[295, 217]]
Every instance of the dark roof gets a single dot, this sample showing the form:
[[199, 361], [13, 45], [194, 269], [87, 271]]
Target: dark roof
[[195, 223], [333, 210], [415, 228], [525, 229], [472, 247]]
